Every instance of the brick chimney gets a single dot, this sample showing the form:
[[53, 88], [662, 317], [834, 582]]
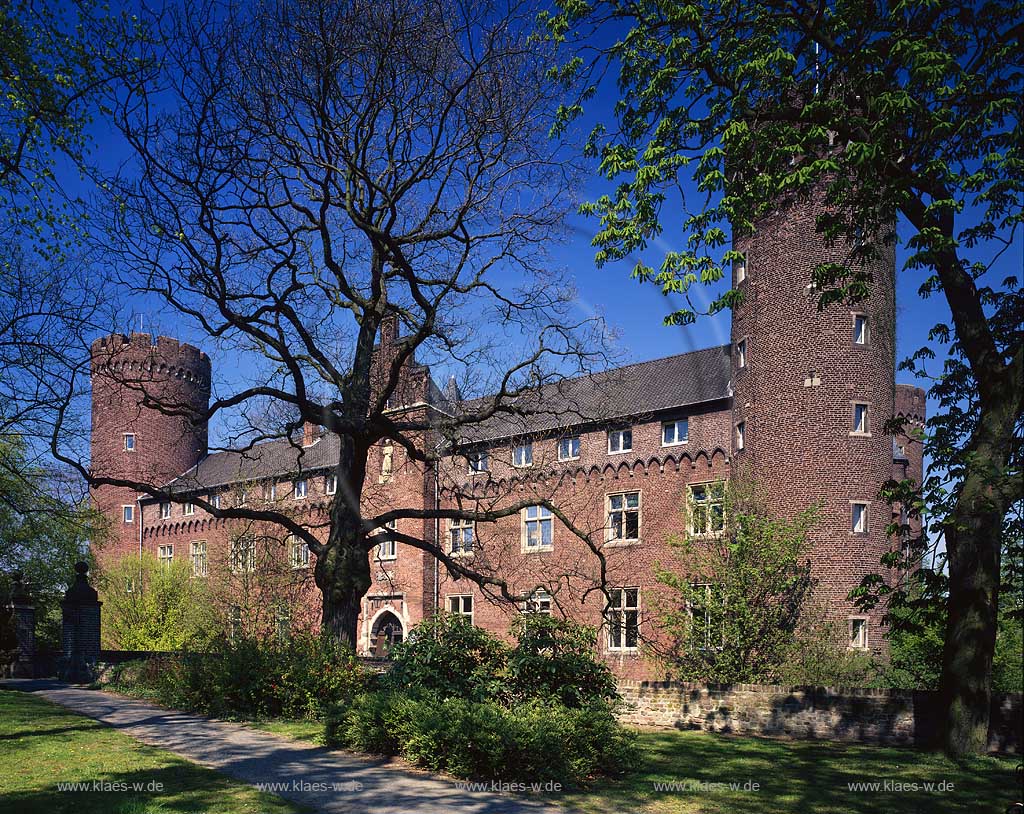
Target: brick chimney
[[310, 433]]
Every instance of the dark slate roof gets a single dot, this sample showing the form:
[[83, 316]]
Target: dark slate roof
[[646, 388], [635, 390], [278, 457]]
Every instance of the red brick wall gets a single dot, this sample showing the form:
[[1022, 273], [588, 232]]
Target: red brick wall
[[570, 571], [799, 449], [177, 377]]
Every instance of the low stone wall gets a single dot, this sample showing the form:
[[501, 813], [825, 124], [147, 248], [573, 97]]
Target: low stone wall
[[899, 717]]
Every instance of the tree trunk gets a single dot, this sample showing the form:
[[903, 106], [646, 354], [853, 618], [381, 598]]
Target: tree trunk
[[343, 576], [973, 551], [974, 546]]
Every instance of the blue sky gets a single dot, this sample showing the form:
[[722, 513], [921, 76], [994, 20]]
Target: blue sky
[[636, 310]]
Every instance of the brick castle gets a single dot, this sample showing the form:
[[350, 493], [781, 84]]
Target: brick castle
[[796, 404]]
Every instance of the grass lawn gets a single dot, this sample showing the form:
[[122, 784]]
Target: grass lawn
[[42, 744], [793, 777]]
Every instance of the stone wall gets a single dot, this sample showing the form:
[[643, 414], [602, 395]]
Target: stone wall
[[897, 717]]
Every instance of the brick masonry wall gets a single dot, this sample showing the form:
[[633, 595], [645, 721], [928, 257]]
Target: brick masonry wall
[[897, 717], [173, 375], [570, 570], [796, 393]]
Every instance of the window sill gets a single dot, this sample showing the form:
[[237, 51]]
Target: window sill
[[624, 651], [855, 434], [538, 549], [568, 460], [620, 452], [621, 543], [462, 555], [676, 443]]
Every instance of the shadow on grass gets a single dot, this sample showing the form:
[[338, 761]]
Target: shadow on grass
[[164, 790], [804, 777]]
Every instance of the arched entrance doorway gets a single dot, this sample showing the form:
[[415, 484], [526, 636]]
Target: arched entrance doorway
[[386, 631]]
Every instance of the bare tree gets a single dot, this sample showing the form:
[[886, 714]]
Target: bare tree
[[308, 175]]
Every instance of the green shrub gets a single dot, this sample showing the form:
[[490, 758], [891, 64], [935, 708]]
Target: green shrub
[[449, 656], [553, 659], [250, 678], [535, 741]]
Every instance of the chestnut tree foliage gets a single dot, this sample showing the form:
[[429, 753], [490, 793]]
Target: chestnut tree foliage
[[904, 112]]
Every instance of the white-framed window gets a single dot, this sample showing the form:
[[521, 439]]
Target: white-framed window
[[165, 511], [188, 508], [129, 442], [235, 621], [300, 488], [741, 353], [624, 517], [569, 448], [675, 432], [858, 632], [479, 461], [861, 423], [741, 435], [707, 508], [740, 266], [858, 517], [620, 441], [197, 554], [165, 554], [214, 500], [522, 454], [243, 554], [460, 536], [861, 329], [387, 550], [298, 552], [624, 619], [461, 605], [128, 513], [283, 623], [706, 628], [538, 602], [270, 490], [330, 483], [538, 528]]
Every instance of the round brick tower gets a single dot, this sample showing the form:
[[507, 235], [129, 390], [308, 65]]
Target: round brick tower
[[812, 393], [148, 401]]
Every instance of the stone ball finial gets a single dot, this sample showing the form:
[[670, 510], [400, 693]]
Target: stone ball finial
[[82, 568]]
